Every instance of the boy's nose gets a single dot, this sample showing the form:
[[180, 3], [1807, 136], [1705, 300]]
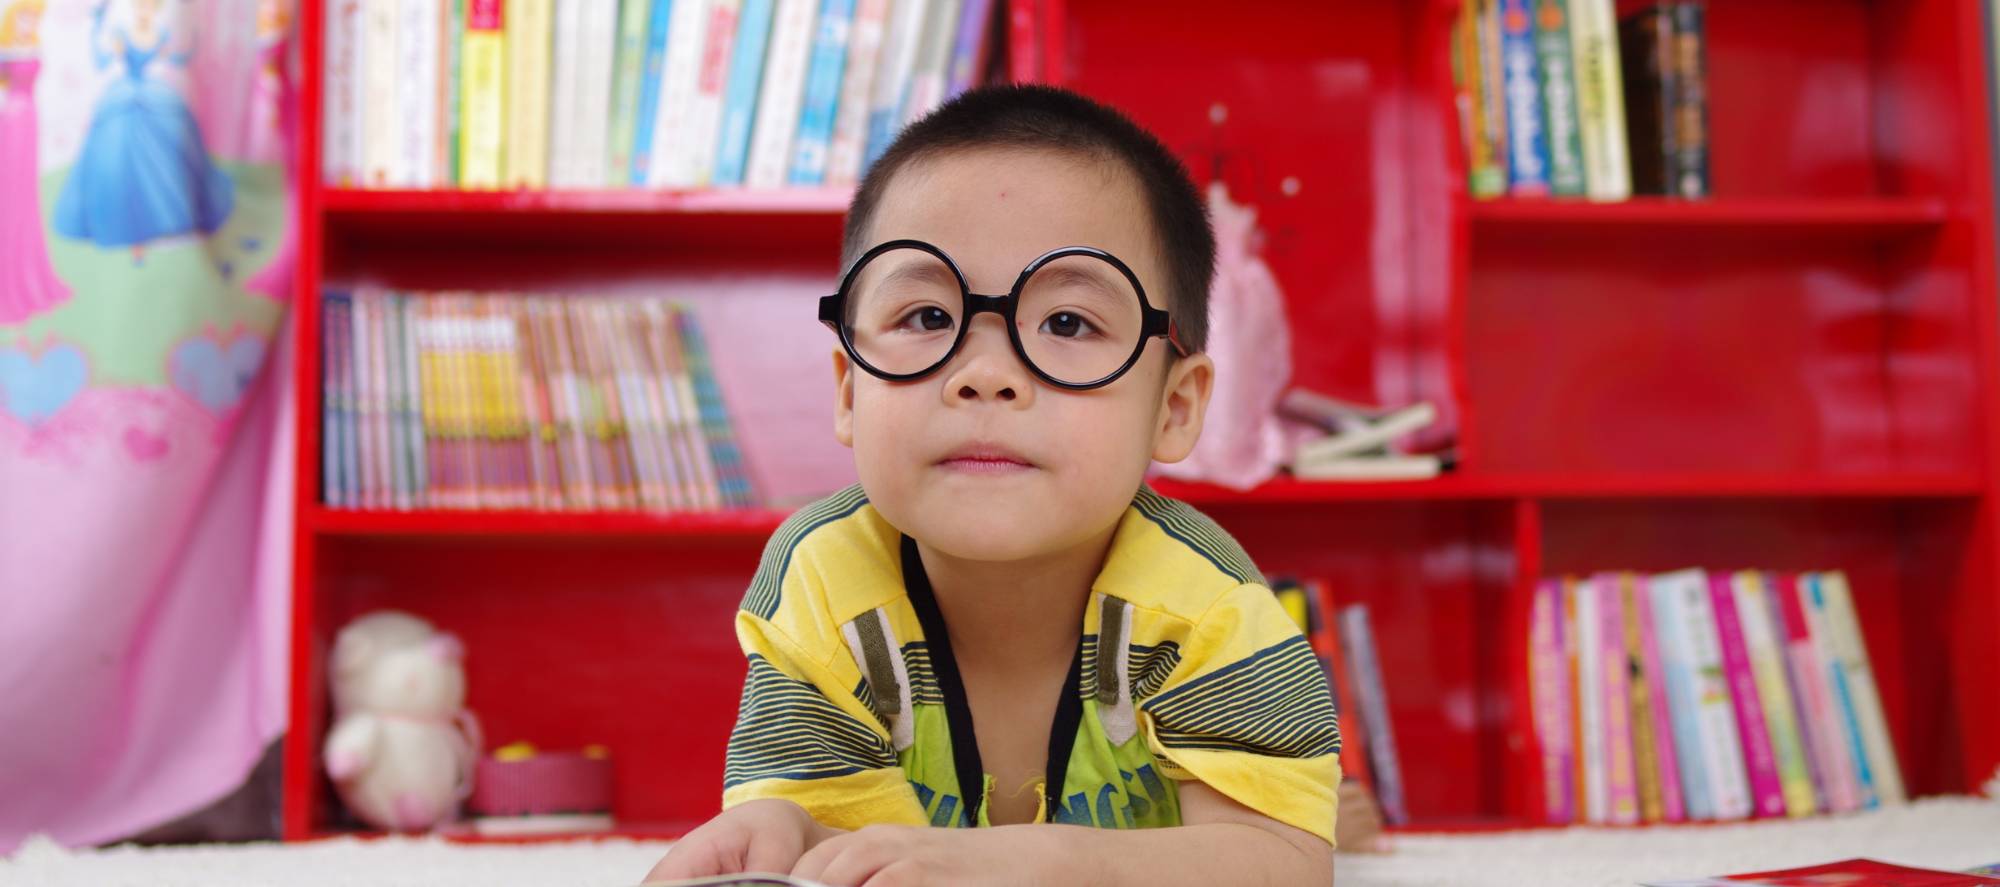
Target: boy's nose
[[987, 368]]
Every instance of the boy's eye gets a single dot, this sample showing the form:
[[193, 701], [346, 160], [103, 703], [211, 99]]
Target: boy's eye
[[929, 318], [1066, 324]]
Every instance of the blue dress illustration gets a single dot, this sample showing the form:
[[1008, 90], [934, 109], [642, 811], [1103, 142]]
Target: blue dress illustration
[[143, 173]]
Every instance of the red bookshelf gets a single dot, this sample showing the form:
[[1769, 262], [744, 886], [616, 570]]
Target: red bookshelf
[[1800, 373]]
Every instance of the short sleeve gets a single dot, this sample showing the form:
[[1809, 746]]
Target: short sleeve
[[1248, 712], [803, 734]]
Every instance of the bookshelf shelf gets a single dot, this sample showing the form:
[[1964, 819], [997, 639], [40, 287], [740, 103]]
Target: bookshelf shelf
[[697, 527], [1800, 373], [1752, 217]]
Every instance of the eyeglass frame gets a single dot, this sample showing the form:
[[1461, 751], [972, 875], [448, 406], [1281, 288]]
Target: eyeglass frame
[[1153, 322]]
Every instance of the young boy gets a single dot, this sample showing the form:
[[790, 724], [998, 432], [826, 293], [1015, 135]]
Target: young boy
[[1001, 625]]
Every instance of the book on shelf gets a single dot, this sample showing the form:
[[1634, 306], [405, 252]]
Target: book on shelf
[[509, 401], [1701, 696], [1357, 642], [482, 94], [1354, 442], [1562, 98]]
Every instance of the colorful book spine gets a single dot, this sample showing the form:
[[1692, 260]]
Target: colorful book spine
[[340, 154], [1600, 99], [332, 398], [849, 144], [1527, 136], [927, 77], [1645, 51], [1645, 751], [1675, 654], [658, 27], [1689, 161], [1760, 761], [1486, 176], [672, 145], [1621, 784], [482, 107], [1358, 637], [417, 39], [1767, 665], [1859, 676], [1643, 634], [782, 95], [379, 114], [732, 477], [1818, 718], [969, 50], [711, 85], [1847, 718], [530, 54], [816, 113], [900, 41], [627, 73], [402, 480], [565, 94], [739, 101], [451, 18], [1591, 729], [1550, 695], [1492, 97], [1554, 64], [691, 442], [411, 415]]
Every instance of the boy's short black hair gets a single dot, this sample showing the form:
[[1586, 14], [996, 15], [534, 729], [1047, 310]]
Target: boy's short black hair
[[1034, 116]]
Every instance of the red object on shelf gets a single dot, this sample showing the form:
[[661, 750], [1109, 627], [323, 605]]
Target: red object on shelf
[[1798, 374]]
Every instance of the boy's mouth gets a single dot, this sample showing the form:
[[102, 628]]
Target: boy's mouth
[[985, 459]]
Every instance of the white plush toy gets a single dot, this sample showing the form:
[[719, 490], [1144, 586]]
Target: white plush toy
[[403, 747]]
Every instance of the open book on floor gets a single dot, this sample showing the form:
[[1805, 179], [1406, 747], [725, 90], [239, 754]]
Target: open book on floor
[[743, 880], [1859, 872]]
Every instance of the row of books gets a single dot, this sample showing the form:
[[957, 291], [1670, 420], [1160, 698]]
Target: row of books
[[1344, 639], [482, 94], [505, 401], [1561, 98], [1693, 695]]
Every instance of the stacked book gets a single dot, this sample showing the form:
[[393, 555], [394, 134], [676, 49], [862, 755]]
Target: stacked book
[[1561, 98], [1693, 695], [483, 94], [499, 401]]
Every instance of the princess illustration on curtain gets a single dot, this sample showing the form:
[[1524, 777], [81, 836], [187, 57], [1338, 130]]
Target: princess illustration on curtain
[[28, 283], [273, 124], [144, 173]]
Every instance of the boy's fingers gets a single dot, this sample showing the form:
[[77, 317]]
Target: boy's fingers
[[773, 853], [687, 859]]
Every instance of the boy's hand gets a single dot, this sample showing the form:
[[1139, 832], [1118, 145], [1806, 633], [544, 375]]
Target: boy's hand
[[766, 835], [904, 856]]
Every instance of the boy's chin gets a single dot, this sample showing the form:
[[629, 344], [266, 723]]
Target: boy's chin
[[990, 528]]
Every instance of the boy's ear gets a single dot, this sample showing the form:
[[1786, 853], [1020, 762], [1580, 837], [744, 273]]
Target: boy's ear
[[843, 399], [1183, 403]]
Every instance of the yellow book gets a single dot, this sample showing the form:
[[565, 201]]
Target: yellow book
[[1645, 748], [530, 36], [482, 95]]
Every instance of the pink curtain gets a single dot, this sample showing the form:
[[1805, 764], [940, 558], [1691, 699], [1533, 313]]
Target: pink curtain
[[145, 454]]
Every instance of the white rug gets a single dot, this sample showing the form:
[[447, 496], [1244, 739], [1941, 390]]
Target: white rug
[[1944, 833]]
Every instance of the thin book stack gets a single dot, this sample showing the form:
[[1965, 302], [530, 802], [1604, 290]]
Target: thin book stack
[[531, 94], [1691, 695], [501, 401], [1343, 637], [1561, 98]]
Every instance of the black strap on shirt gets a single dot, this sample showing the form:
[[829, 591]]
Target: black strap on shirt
[[971, 773]]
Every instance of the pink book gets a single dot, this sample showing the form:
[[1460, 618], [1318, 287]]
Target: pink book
[[1766, 793], [1621, 780], [1819, 719], [1663, 724], [1549, 672]]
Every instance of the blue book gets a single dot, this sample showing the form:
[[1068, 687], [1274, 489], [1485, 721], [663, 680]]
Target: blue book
[[333, 362], [739, 97], [823, 75], [649, 91], [1677, 661], [969, 51], [1527, 136]]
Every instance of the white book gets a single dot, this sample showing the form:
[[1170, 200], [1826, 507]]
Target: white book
[[593, 121], [1593, 38], [1361, 437], [419, 38], [1813, 679], [1722, 748], [933, 64], [711, 81], [1852, 651], [686, 29], [850, 122], [782, 92], [379, 114], [565, 90], [1677, 663], [892, 75], [1590, 693], [1376, 468], [340, 154]]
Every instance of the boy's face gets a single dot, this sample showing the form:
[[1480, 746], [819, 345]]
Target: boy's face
[[980, 460]]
